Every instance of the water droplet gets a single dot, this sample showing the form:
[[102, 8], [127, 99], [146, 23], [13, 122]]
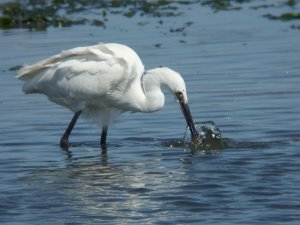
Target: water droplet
[[209, 137]]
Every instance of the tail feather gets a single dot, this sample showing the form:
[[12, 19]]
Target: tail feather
[[28, 71]]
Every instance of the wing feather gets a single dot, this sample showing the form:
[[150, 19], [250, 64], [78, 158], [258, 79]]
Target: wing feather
[[99, 73]]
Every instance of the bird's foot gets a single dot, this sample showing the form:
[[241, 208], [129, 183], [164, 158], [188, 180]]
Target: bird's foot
[[103, 148], [64, 143]]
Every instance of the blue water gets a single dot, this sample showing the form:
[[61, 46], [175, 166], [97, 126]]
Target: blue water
[[242, 72]]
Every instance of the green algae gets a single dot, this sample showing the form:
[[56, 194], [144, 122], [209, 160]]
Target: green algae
[[285, 16], [41, 14]]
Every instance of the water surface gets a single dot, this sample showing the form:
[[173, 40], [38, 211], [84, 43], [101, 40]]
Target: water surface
[[242, 73]]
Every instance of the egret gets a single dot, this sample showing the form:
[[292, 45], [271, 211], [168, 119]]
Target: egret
[[101, 81]]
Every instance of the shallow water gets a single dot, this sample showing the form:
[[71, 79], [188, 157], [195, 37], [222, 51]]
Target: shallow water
[[242, 73]]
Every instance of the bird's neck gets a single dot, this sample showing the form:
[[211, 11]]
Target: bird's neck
[[152, 83]]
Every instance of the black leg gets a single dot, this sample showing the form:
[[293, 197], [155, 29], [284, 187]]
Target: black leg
[[64, 141], [103, 135]]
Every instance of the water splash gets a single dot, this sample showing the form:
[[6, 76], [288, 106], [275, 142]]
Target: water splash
[[209, 138]]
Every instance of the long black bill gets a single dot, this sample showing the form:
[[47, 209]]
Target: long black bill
[[187, 115]]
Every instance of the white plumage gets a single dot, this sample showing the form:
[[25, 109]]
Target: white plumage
[[101, 81]]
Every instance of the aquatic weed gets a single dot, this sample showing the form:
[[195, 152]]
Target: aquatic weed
[[284, 17], [39, 15]]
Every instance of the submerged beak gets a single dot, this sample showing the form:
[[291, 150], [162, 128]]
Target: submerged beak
[[187, 115]]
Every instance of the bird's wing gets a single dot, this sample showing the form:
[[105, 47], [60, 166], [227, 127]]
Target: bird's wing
[[94, 53], [84, 72]]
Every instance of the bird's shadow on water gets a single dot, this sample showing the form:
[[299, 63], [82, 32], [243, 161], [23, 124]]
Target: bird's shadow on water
[[209, 141], [206, 147], [85, 144]]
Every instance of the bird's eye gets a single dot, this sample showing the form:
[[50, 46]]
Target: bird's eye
[[179, 95]]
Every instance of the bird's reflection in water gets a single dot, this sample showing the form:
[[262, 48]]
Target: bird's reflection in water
[[103, 149], [103, 183]]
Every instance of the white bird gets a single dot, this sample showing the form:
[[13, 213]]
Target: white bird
[[102, 81]]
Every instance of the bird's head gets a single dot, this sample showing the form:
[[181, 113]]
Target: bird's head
[[175, 83]]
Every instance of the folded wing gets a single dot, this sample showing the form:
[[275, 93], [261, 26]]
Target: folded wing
[[84, 75]]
